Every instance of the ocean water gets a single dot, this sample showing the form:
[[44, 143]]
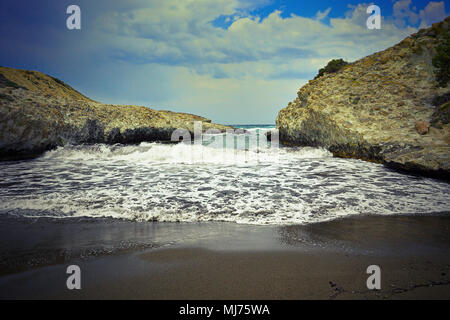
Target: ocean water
[[251, 182]]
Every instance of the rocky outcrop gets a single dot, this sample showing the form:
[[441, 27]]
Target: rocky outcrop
[[386, 108], [39, 112]]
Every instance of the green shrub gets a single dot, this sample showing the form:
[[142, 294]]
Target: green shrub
[[333, 66], [441, 62]]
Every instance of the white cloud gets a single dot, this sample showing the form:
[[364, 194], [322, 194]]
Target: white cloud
[[322, 15], [404, 14], [433, 12], [182, 34]]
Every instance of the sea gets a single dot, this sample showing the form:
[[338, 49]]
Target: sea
[[241, 178]]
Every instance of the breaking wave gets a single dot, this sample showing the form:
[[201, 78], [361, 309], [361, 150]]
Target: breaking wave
[[181, 182]]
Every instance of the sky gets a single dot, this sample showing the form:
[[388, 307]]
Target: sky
[[233, 61]]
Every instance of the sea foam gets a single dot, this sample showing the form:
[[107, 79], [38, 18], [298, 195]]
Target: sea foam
[[190, 183]]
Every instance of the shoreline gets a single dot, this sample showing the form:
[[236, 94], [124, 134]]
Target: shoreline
[[325, 260]]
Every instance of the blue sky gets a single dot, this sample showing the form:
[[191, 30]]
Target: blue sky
[[234, 61]]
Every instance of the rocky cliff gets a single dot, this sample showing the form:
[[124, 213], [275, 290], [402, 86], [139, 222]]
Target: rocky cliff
[[39, 112], [387, 107]]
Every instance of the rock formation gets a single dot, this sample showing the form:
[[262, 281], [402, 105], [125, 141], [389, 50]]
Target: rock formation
[[387, 107], [39, 112]]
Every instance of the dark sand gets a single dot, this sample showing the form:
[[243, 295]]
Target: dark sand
[[127, 260]]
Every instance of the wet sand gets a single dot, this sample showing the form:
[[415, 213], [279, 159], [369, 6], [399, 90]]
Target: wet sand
[[227, 261]]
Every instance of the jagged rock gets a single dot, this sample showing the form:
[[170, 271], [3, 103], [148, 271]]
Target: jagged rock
[[369, 108], [39, 112]]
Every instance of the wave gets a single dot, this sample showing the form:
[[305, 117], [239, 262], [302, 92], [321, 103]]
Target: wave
[[191, 183], [182, 153]]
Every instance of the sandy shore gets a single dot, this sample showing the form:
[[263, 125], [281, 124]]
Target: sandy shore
[[227, 261]]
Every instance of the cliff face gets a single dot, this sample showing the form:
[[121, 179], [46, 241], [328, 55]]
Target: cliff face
[[386, 107], [39, 112]]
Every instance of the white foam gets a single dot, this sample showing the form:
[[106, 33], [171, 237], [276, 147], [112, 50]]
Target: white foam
[[165, 182], [182, 153]]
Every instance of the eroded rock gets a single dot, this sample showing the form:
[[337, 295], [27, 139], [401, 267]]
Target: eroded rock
[[369, 109], [39, 112]]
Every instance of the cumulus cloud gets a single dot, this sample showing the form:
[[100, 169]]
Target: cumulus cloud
[[181, 34], [404, 14], [433, 12]]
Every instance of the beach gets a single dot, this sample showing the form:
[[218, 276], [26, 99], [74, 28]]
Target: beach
[[225, 150], [153, 260], [163, 221]]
